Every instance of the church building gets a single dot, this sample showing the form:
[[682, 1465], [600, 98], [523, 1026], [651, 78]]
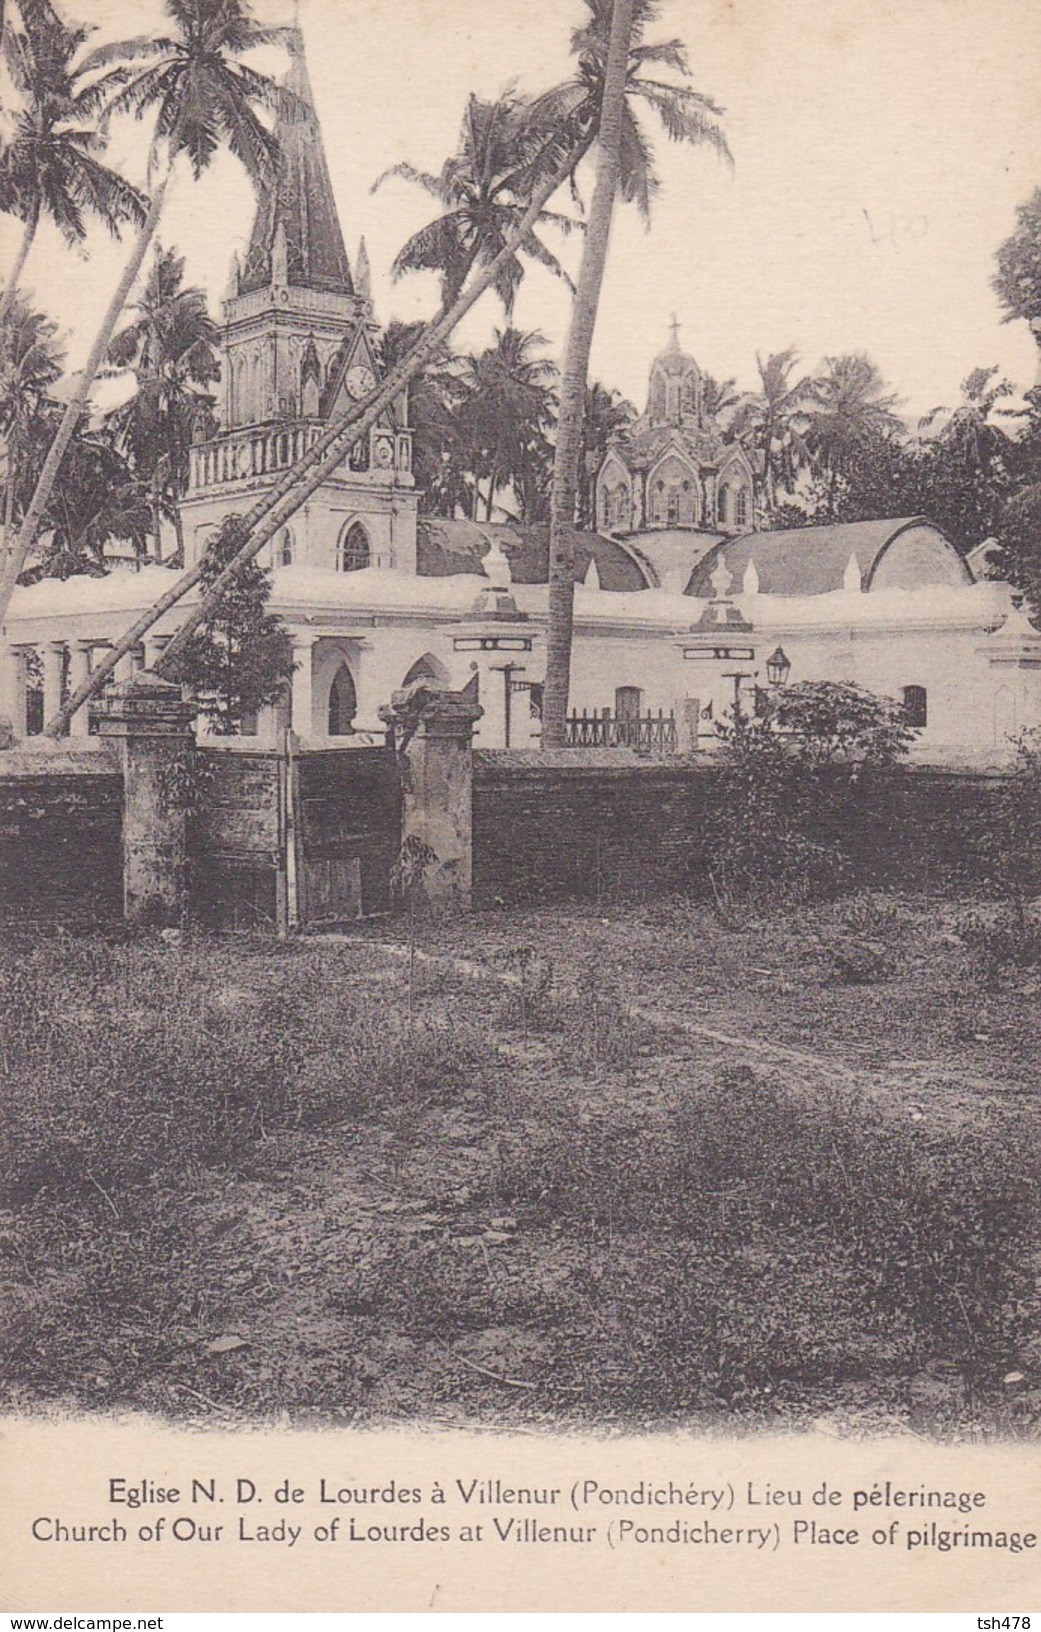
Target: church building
[[674, 467], [681, 604]]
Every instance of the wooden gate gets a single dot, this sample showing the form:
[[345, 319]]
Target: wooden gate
[[238, 838], [345, 819]]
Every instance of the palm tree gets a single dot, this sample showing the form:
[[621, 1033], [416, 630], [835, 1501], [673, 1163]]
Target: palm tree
[[31, 360], [202, 97], [605, 414], [773, 421], [434, 395], [718, 397], [49, 168], [170, 346], [851, 409], [969, 428], [967, 468], [98, 499], [507, 406], [552, 162], [612, 63], [482, 190]]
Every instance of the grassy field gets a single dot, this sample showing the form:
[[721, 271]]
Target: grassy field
[[577, 1169]]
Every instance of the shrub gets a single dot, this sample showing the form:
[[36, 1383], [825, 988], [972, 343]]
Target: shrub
[[829, 722], [1012, 839], [793, 787]]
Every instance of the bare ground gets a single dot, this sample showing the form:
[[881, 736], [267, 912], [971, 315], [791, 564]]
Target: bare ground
[[390, 1268]]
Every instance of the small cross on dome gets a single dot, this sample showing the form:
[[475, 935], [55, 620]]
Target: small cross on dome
[[674, 332]]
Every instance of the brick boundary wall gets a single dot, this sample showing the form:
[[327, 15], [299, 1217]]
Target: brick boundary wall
[[586, 826], [593, 825], [602, 827], [61, 827]]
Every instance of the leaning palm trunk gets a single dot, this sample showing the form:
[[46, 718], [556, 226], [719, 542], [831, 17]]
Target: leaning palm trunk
[[15, 277], [157, 514], [77, 404], [568, 451], [282, 501]]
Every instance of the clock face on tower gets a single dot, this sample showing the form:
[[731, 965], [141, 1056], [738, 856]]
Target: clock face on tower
[[359, 379]]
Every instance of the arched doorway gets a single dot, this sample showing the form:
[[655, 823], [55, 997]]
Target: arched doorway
[[343, 703]]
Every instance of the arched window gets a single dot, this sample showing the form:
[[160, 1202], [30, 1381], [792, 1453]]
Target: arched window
[[916, 706], [688, 505], [672, 511], [658, 503], [343, 703], [741, 507], [723, 505], [310, 380], [352, 552], [283, 555], [616, 507], [309, 396], [254, 411], [659, 399], [690, 394]]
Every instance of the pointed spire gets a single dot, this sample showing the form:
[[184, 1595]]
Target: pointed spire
[[280, 255], [234, 277], [674, 334], [852, 578], [310, 364], [592, 577], [363, 272], [299, 203]]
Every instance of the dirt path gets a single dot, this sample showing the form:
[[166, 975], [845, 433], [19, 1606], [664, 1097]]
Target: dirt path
[[908, 1078]]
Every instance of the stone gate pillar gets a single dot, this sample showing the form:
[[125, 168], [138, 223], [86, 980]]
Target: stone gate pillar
[[432, 730], [153, 727]]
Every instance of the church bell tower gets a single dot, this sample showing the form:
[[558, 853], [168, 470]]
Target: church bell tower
[[299, 341]]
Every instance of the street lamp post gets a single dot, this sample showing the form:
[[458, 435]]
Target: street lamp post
[[778, 667]]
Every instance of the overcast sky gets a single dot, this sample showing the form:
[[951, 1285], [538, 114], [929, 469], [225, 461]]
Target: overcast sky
[[881, 148]]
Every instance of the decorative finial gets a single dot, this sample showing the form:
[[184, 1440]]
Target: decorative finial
[[852, 578], [721, 580], [496, 565], [363, 272], [750, 581], [674, 331]]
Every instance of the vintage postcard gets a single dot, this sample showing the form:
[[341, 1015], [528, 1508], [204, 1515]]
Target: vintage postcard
[[520, 805]]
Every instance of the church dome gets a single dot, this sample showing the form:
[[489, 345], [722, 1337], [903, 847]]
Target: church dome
[[673, 359]]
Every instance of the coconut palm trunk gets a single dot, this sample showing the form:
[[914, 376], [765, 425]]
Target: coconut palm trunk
[[26, 537], [575, 373], [15, 276], [282, 501]]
